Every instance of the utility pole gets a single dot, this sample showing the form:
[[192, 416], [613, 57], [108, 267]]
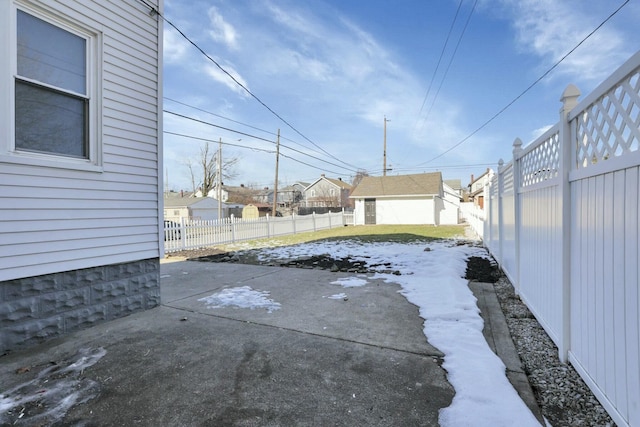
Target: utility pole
[[275, 187], [384, 166], [219, 192]]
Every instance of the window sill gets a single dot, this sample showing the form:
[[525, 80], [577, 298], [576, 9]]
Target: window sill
[[44, 160]]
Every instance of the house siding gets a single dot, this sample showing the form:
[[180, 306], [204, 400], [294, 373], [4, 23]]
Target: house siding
[[393, 210], [89, 213], [450, 213], [55, 221]]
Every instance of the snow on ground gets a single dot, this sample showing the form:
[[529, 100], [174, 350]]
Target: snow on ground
[[52, 393], [433, 280], [350, 282], [241, 297], [341, 295]]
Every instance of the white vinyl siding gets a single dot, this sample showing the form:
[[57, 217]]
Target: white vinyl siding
[[55, 219], [395, 210]]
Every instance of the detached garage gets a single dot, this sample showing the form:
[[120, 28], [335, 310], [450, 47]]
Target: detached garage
[[401, 199], [175, 209]]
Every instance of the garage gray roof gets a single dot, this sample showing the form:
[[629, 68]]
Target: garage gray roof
[[422, 184]]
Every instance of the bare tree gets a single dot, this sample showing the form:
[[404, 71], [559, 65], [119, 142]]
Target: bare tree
[[189, 164], [361, 173], [204, 169]]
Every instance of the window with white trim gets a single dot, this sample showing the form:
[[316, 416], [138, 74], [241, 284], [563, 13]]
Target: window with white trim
[[54, 110]]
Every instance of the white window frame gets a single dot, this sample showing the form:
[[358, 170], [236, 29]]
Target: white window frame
[[8, 73]]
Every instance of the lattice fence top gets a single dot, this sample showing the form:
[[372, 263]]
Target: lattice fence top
[[507, 179], [610, 126], [541, 163]]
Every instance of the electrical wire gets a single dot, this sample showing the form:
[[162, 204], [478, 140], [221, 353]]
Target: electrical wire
[[514, 100], [217, 126], [206, 55], [455, 50], [219, 142], [259, 138], [241, 123], [444, 47]]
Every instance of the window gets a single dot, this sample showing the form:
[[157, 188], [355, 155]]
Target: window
[[53, 108], [51, 103]]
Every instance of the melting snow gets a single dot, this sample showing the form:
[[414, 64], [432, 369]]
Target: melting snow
[[350, 282], [341, 295], [47, 398], [433, 280], [241, 297]]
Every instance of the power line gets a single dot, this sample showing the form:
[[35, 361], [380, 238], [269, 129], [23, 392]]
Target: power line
[[257, 137], [206, 55], [455, 50], [240, 123], [545, 74], [217, 142], [444, 47]]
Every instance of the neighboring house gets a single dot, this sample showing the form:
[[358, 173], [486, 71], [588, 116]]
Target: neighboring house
[[327, 192], [476, 188], [189, 208], [239, 194], [264, 196], [403, 199], [80, 164], [450, 213], [456, 186], [289, 197], [224, 193]]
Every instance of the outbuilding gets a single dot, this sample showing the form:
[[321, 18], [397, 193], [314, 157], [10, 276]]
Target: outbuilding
[[402, 199], [189, 208]]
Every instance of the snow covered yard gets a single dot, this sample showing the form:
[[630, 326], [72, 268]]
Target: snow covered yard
[[431, 277]]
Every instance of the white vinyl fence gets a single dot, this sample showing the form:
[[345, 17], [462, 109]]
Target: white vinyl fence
[[562, 220], [474, 217], [189, 234]]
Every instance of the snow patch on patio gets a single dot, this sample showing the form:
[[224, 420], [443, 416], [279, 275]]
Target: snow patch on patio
[[46, 399], [350, 282], [241, 297]]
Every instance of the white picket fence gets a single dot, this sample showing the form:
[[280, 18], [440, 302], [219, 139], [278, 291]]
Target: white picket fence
[[562, 220], [190, 234]]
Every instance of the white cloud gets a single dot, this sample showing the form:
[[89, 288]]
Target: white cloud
[[218, 75], [550, 29], [174, 46], [222, 31]]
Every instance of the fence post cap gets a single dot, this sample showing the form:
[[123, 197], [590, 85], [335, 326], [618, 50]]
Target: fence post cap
[[569, 97], [517, 147]]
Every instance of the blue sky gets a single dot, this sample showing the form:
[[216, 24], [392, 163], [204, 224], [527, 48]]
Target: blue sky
[[334, 69]]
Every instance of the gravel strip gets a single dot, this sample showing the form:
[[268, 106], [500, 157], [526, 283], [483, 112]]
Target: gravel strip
[[564, 398]]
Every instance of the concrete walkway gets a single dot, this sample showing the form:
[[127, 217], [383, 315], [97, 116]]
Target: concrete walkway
[[316, 361]]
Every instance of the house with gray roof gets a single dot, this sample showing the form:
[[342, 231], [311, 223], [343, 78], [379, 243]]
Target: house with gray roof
[[327, 193], [190, 208], [401, 199]]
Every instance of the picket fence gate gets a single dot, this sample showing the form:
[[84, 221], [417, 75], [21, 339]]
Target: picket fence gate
[[561, 219], [190, 234]]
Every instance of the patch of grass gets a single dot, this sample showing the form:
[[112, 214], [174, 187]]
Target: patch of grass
[[363, 233]]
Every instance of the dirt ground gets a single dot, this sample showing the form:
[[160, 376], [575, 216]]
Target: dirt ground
[[480, 269]]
